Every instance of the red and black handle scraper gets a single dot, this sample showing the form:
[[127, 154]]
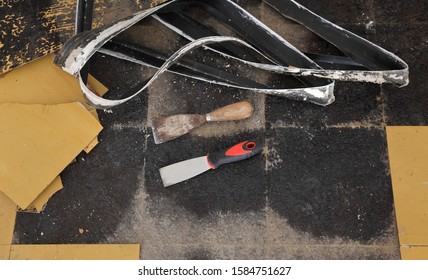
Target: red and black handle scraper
[[181, 171]]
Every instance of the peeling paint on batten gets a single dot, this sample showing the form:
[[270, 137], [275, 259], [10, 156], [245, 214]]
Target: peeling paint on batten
[[8, 65], [154, 2]]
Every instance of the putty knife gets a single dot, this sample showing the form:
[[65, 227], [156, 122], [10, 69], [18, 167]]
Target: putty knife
[[181, 171], [169, 128]]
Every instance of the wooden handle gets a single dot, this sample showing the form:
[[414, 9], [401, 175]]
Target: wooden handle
[[236, 111]]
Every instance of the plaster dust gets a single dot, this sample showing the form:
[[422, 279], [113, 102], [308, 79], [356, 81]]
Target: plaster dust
[[166, 231], [371, 122], [272, 156]]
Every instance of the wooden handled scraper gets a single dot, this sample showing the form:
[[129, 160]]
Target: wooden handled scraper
[[171, 127]]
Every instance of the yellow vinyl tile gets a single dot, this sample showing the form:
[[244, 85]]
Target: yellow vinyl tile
[[91, 145], [41, 82], [408, 157], [40, 202], [37, 142], [414, 252], [7, 219], [4, 252], [76, 252]]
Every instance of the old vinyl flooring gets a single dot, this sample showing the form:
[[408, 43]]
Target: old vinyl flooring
[[321, 189]]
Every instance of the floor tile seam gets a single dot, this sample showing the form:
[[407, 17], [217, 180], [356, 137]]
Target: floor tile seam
[[278, 245], [384, 107], [351, 125], [265, 158], [117, 126]]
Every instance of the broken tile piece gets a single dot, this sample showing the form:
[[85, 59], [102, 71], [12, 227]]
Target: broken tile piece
[[76, 252], [7, 219], [96, 86], [40, 141], [91, 145], [40, 202], [408, 157], [414, 252], [41, 82]]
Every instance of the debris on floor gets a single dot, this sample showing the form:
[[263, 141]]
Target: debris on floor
[[40, 82], [45, 124], [40, 141], [408, 157]]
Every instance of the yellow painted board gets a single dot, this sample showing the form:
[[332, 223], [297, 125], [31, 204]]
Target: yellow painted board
[[41, 82], [37, 142], [414, 252], [7, 219], [408, 157], [40, 202], [4, 252], [76, 252]]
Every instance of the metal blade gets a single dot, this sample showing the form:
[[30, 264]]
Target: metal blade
[[183, 170], [168, 128]]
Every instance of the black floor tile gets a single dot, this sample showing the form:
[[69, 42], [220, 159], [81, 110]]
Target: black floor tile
[[98, 189], [332, 182], [100, 186], [400, 12], [341, 11], [357, 103], [234, 187], [407, 105], [122, 79]]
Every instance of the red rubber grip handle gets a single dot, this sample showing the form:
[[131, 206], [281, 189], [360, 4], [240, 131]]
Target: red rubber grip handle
[[238, 152]]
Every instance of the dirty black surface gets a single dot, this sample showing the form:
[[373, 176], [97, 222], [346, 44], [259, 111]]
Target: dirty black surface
[[332, 182], [320, 189], [100, 184], [34, 29], [209, 192]]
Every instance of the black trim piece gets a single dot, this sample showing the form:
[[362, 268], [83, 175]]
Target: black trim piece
[[184, 66], [197, 30], [359, 49]]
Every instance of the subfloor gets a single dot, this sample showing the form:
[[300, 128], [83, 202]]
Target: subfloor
[[321, 189]]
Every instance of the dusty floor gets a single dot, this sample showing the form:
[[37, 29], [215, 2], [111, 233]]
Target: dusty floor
[[320, 190]]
